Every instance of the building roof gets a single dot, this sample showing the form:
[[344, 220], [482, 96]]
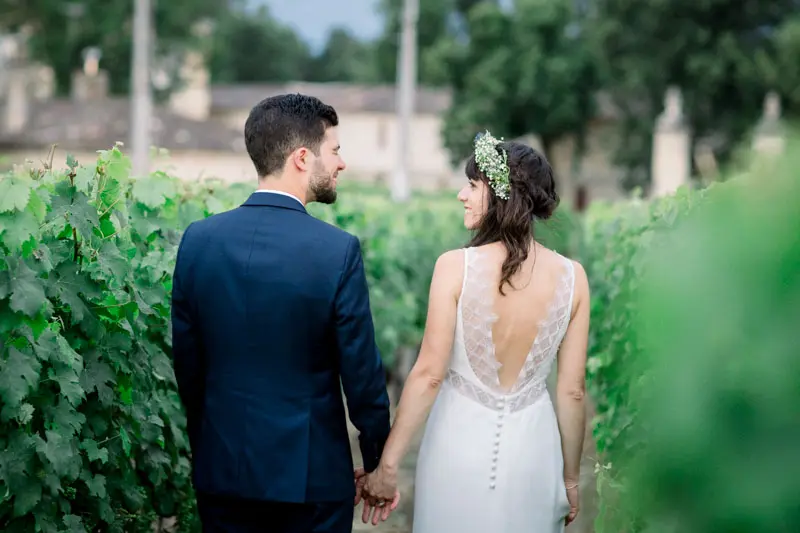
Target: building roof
[[344, 97], [98, 124]]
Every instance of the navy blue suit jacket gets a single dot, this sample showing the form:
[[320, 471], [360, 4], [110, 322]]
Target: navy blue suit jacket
[[270, 322]]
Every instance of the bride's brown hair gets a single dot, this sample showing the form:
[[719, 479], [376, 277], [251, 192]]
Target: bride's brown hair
[[532, 197]]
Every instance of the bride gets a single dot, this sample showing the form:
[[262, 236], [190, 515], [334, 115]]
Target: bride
[[495, 455]]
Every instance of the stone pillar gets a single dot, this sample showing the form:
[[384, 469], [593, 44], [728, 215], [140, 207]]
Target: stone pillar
[[769, 137], [15, 115], [671, 159], [91, 83], [192, 98], [89, 87]]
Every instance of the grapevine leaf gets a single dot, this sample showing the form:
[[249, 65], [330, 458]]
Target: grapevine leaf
[[26, 497], [64, 417], [97, 485], [43, 259], [107, 227], [46, 523], [68, 383], [143, 224], [67, 285], [84, 176], [94, 452], [5, 284], [65, 354], [126, 395], [126, 441], [115, 172], [17, 463], [110, 265], [17, 228], [23, 414], [61, 251], [14, 193], [74, 524], [19, 374], [214, 205], [38, 204], [27, 294], [61, 454], [153, 191], [83, 216], [96, 377]]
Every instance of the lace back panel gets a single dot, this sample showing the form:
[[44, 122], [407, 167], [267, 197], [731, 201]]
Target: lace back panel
[[477, 317]]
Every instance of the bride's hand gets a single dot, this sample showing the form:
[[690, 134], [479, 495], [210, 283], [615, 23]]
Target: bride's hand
[[574, 501], [380, 495]]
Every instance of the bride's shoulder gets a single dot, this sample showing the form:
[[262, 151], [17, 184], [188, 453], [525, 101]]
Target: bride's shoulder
[[449, 269], [451, 261]]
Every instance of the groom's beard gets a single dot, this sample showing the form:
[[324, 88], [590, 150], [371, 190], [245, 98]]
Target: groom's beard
[[321, 187]]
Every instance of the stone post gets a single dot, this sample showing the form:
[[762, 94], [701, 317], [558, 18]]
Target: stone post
[[17, 102], [193, 98], [769, 138], [671, 161]]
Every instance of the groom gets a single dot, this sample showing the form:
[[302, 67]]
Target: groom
[[271, 322]]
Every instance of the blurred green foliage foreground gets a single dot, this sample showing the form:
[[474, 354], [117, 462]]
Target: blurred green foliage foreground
[[693, 358], [696, 357]]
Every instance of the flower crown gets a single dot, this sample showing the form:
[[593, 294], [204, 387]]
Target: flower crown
[[493, 164]]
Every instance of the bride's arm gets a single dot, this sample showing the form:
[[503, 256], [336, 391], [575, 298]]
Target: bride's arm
[[425, 378], [571, 387]]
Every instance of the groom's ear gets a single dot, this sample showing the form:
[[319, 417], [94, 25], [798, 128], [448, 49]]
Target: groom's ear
[[300, 159]]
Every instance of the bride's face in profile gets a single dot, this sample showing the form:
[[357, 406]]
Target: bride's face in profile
[[475, 197]]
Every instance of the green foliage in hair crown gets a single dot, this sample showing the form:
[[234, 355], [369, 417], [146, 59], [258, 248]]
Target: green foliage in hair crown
[[493, 163]]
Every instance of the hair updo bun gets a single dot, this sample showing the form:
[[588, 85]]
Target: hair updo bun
[[531, 180], [532, 196]]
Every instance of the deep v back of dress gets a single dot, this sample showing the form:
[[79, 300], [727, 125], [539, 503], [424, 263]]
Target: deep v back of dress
[[490, 459]]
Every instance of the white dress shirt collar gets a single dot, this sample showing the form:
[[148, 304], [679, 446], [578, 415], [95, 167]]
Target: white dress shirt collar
[[271, 191]]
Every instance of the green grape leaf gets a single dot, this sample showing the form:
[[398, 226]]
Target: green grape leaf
[[153, 191], [68, 383], [14, 193], [17, 228], [26, 497], [126, 441], [96, 377], [18, 375], [61, 454], [94, 452], [5, 283], [83, 216], [64, 417], [97, 485], [74, 524], [84, 176], [23, 414], [27, 293]]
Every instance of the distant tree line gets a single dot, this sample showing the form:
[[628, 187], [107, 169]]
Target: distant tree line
[[534, 66]]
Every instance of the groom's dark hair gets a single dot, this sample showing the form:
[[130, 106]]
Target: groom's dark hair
[[279, 125]]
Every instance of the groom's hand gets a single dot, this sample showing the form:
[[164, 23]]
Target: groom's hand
[[360, 479]]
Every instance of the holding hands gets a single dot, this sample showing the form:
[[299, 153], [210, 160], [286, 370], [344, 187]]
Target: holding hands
[[378, 490]]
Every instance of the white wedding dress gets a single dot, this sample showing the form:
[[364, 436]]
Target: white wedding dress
[[490, 460]]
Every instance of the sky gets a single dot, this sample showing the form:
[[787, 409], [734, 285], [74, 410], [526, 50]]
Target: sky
[[313, 19]]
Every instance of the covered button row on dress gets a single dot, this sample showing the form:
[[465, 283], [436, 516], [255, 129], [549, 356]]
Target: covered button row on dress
[[496, 450]]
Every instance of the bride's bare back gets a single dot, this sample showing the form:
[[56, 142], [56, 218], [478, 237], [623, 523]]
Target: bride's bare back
[[521, 317]]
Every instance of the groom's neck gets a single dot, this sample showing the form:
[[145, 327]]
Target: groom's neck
[[283, 184]]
